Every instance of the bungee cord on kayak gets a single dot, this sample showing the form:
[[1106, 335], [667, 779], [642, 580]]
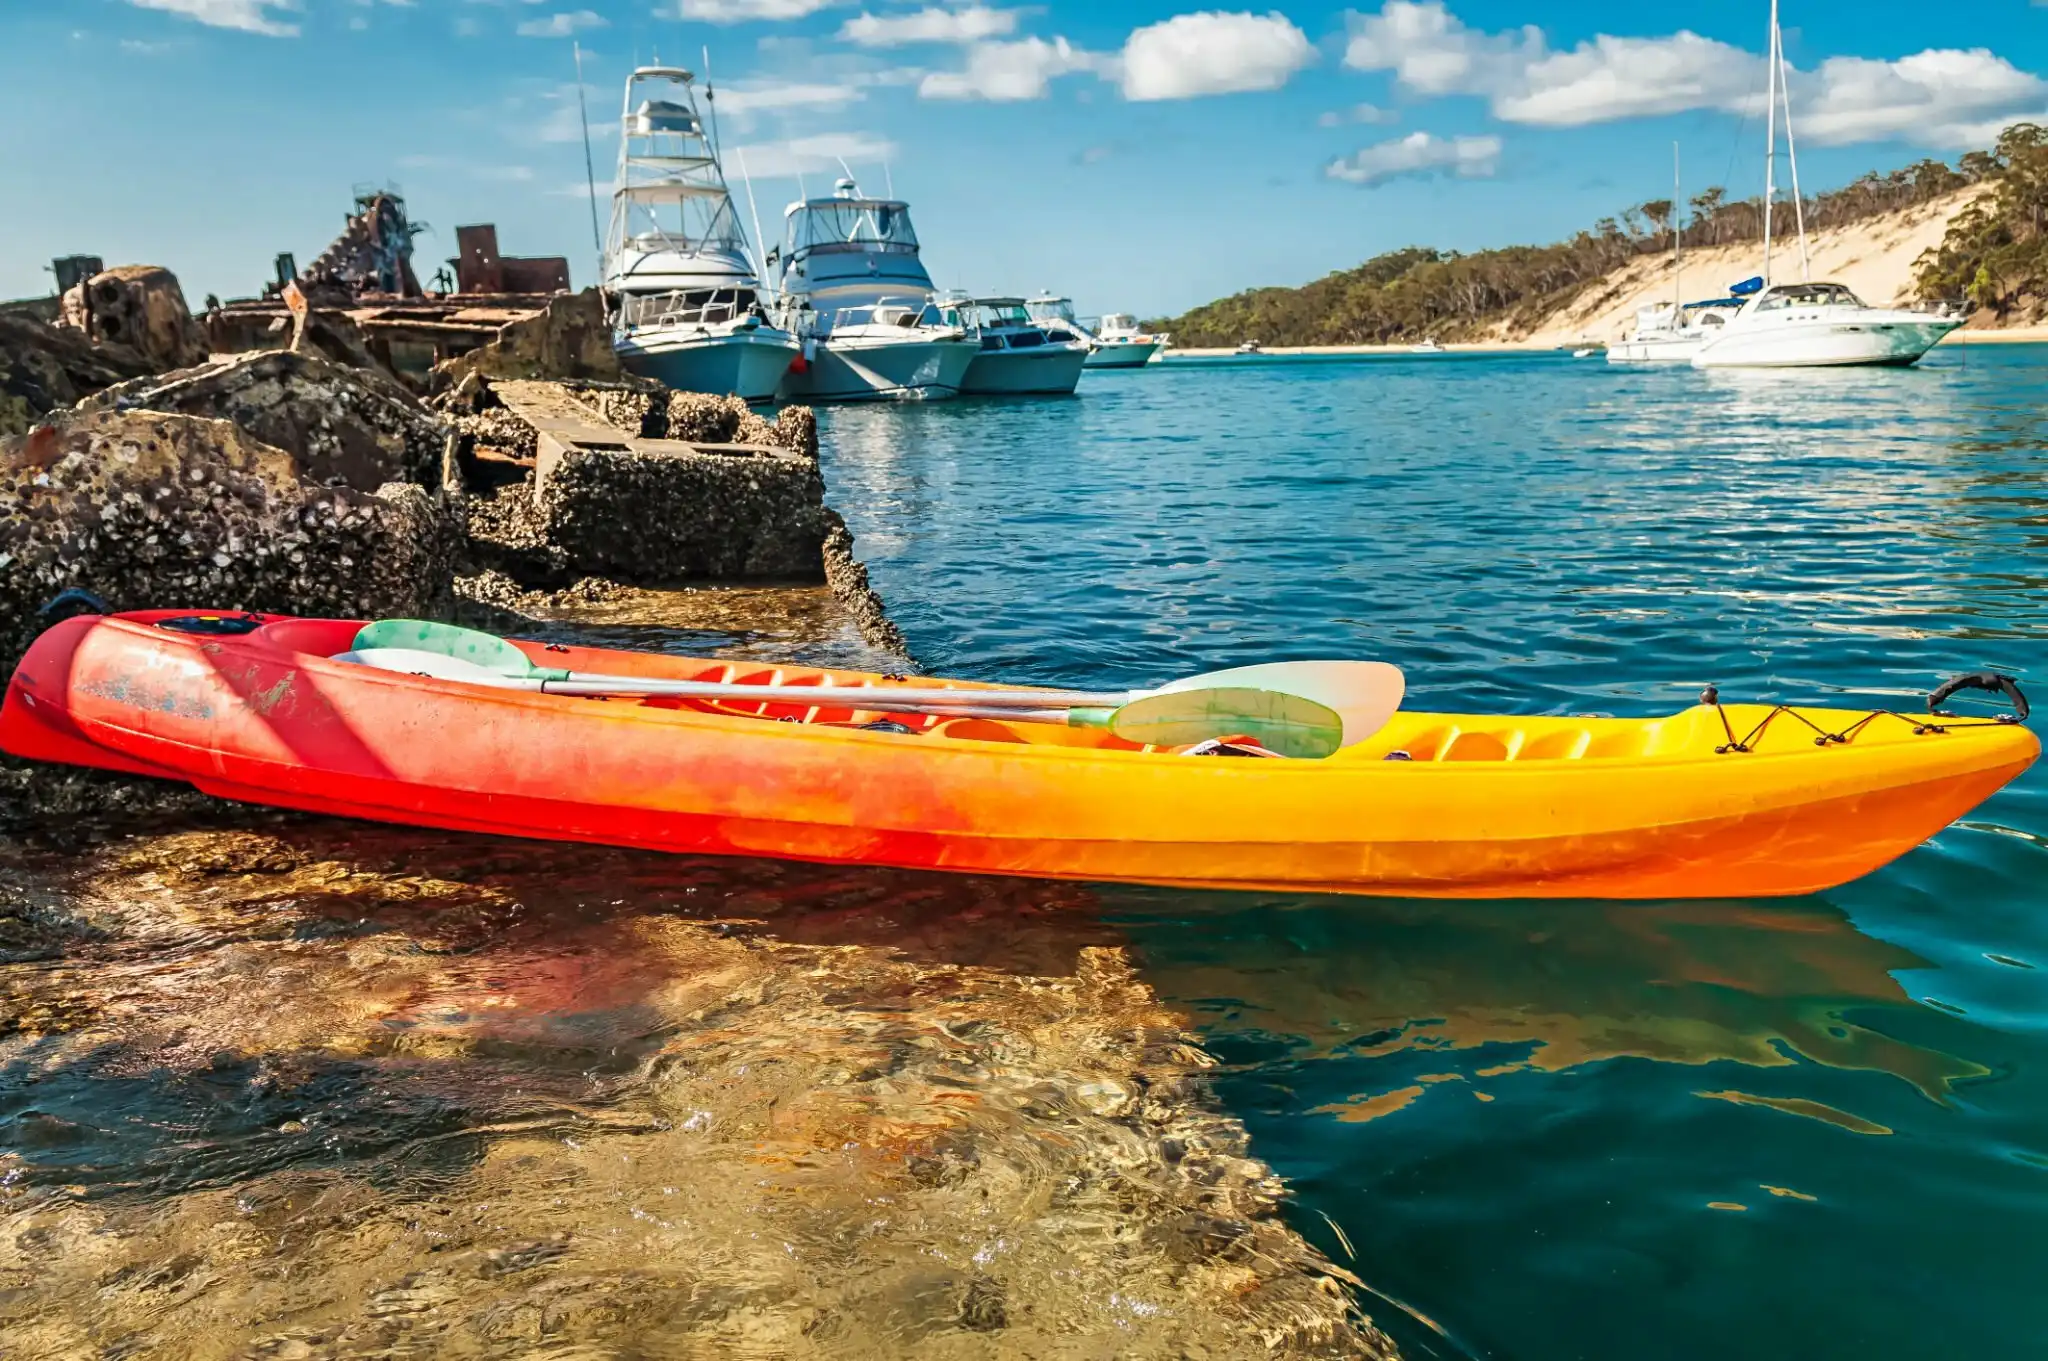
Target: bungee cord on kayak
[[1991, 681]]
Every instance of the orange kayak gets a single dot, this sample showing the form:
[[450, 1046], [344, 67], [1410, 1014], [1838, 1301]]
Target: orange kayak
[[1432, 805]]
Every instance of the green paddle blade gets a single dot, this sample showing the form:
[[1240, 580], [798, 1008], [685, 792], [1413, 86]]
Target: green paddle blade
[[1283, 723], [1364, 695], [467, 645]]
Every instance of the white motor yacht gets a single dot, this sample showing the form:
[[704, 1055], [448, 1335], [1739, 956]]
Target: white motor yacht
[[856, 294], [1431, 345], [1820, 325], [1017, 356], [1809, 324], [686, 302]]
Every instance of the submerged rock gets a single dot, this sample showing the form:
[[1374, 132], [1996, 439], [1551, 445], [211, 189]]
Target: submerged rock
[[454, 1096]]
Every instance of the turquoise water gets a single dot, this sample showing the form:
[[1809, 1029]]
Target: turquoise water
[[1813, 1128]]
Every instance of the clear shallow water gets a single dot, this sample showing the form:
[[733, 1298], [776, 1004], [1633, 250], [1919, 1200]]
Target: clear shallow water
[[1575, 1130]]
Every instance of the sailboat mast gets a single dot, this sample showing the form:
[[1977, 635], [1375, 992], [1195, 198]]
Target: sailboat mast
[[1677, 241], [1792, 159], [1770, 139]]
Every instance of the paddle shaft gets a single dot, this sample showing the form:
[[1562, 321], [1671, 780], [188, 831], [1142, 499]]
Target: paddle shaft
[[906, 697]]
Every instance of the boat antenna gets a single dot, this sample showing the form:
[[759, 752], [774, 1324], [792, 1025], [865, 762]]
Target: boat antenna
[[589, 166], [711, 103], [888, 181], [760, 241], [1770, 138], [1792, 158]]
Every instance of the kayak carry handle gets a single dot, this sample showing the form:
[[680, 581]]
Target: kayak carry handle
[[1983, 680], [69, 603]]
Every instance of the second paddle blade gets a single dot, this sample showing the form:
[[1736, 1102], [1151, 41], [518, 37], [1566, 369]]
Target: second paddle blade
[[1287, 724], [448, 640]]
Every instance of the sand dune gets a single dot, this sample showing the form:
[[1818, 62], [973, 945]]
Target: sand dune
[[1874, 257]]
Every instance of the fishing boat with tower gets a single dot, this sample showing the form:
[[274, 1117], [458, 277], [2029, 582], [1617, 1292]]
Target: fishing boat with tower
[[686, 297]]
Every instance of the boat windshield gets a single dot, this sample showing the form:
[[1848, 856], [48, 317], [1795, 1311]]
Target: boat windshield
[[825, 226], [1047, 309], [1808, 295], [1004, 314]]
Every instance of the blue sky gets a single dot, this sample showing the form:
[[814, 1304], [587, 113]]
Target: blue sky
[[1139, 156]]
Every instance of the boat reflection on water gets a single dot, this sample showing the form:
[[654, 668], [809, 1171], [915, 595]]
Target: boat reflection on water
[[1522, 1116]]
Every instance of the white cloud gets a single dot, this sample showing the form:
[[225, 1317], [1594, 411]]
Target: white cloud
[[976, 23], [1609, 78], [752, 99], [1212, 53], [562, 25], [249, 16], [810, 155], [1936, 98], [1009, 71], [1365, 113], [1431, 51], [1419, 154], [746, 11]]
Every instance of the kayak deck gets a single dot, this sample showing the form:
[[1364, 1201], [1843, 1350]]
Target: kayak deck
[[1482, 805]]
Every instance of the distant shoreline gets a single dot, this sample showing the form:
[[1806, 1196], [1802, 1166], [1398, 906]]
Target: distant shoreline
[[2011, 335]]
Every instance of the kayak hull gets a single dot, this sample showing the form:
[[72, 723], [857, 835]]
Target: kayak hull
[[1485, 807]]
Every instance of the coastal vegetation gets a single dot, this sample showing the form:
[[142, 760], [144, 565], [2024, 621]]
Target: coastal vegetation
[[1995, 256], [1419, 292]]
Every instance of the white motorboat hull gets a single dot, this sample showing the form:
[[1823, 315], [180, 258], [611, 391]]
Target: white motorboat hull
[[879, 371], [1824, 343], [746, 364], [1053, 370], [1122, 354], [1654, 349]]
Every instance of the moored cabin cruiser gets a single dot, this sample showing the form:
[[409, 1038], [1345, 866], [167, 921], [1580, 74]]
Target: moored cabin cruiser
[[1820, 325], [855, 293], [1017, 356], [686, 301], [1667, 333], [1115, 342], [1120, 343]]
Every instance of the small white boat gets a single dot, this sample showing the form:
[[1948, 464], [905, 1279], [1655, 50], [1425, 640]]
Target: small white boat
[[1672, 333], [1809, 324], [1428, 346], [678, 275], [1249, 347], [1017, 356], [854, 291]]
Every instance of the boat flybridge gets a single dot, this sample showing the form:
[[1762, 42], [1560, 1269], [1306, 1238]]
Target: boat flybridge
[[1017, 356], [1809, 324], [687, 299], [855, 293]]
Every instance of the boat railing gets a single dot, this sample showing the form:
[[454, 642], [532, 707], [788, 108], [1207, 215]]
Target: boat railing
[[682, 308]]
